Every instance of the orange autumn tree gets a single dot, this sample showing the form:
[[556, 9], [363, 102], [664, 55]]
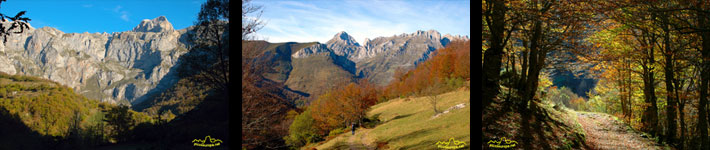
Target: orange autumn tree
[[449, 66], [342, 106]]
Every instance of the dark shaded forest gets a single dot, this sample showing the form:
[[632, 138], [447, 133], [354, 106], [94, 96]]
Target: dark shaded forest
[[643, 62]]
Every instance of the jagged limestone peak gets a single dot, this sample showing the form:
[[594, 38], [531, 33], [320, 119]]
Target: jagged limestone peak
[[159, 24]]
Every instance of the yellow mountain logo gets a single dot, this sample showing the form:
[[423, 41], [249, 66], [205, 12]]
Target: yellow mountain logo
[[451, 144], [502, 143], [204, 143]]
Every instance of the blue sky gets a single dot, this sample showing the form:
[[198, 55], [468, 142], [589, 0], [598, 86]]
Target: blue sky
[[76, 16], [320, 20]]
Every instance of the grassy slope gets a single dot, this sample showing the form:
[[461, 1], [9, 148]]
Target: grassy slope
[[314, 74], [407, 124], [281, 63], [309, 75]]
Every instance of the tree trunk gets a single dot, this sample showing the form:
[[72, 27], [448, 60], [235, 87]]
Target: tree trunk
[[681, 105], [682, 125], [492, 56], [670, 108], [629, 90], [623, 96], [536, 60], [512, 79], [650, 114], [704, 77]]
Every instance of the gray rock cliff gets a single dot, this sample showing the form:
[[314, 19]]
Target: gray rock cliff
[[115, 67]]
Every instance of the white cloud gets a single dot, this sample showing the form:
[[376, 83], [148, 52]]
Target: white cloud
[[124, 15], [117, 8]]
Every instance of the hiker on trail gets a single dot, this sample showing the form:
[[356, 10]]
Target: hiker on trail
[[353, 128]]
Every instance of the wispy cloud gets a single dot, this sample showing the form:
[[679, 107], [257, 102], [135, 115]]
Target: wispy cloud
[[124, 16], [122, 13], [87, 5], [320, 20]]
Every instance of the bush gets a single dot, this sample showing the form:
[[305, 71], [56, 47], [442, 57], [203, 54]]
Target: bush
[[596, 104], [371, 122], [561, 96], [578, 103], [335, 132], [454, 83], [302, 130]]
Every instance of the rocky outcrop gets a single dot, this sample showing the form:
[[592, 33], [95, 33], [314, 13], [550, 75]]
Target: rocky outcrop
[[319, 49], [379, 57], [115, 67], [159, 24], [315, 49], [343, 44]]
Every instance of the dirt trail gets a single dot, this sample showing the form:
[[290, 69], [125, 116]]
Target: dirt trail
[[605, 132], [362, 143]]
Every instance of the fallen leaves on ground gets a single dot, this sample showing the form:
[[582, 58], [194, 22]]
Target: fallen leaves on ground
[[605, 132]]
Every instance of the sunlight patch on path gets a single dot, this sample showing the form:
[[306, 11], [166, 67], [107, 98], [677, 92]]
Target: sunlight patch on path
[[605, 132]]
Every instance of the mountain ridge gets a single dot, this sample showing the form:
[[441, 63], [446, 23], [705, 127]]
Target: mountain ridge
[[120, 67], [347, 61]]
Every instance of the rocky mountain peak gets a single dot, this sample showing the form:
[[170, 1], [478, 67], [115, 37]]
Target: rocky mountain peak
[[431, 34], [342, 35], [343, 38], [457, 37], [159, 24]]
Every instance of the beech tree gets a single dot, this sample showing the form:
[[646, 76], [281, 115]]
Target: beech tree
[[121, 121], [209, 46], [433, 97], [494, 13], [343, 106], [545, 26]]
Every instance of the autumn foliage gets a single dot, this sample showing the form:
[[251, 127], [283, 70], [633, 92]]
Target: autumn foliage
[[346, 104], [450, 66], [342, 106]]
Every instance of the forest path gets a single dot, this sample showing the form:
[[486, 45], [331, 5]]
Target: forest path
[[605, 132], [361, 143]]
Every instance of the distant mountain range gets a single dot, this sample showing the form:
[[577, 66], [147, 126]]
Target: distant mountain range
[[313, 67], [114, 67]]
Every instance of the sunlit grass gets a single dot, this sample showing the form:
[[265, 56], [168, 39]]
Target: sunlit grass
[[408, 124]]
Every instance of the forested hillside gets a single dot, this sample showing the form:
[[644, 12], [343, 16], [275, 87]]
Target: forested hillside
[[41, 113], [43, 104], [650, 60]]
